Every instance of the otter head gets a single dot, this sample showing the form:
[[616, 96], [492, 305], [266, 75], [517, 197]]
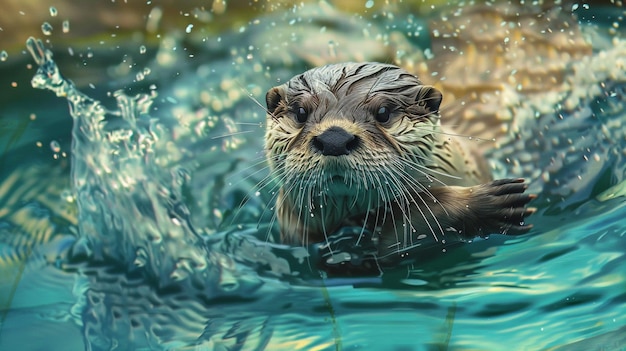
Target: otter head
[[344, 139]]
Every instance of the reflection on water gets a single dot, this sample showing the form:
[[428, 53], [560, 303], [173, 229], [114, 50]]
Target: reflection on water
[[165, 243]]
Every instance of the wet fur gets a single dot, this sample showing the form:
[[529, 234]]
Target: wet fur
[[406, 176]]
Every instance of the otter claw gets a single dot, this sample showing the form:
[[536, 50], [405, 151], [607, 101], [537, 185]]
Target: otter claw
[[500, 206]]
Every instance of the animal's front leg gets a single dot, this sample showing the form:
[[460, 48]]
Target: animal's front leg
[[466, 212], [495, 207]]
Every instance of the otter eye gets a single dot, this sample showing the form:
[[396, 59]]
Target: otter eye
[[301, 114], [383, 114]]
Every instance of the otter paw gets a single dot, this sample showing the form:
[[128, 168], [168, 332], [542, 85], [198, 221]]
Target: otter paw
[[500, 207]]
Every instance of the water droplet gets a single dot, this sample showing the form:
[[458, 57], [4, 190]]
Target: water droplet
[[46, 28], [55, 146], [258, 193], [66, 26], [142, 49], [369, 4], [53, 11], [66, 195], [3, 55]]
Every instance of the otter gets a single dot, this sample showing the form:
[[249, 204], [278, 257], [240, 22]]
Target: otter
[[362, 144]]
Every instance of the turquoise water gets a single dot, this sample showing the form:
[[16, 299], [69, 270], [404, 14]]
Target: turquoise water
[[149, 231]]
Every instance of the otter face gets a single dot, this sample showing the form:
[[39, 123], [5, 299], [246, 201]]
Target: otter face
[[357, 135], [350, 123]]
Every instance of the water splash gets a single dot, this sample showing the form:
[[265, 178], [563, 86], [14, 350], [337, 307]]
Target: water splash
[[66, 26], [46, 28], [130, 209]]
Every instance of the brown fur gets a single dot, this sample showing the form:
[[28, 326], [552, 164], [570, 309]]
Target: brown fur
[[400, 177]]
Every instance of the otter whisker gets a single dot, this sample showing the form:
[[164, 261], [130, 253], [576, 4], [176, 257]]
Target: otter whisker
[[287, 193], [250, 95], [277, 203], [254, 173], [365, 221], [256, 124], [261, 184], [309, 192], [404, 204], [265, 181], [416, 185], [420, 189], [425, 170], [387, 202], [232, 134], [469, 137], [408, 195]]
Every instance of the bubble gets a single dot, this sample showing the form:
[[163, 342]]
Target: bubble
[[46, 28], [67, 196], [53, 11], [189, 28], [3, 55], [142, 49], [369, 4], [55, 146]]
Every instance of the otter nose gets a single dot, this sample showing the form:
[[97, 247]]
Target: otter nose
[[335, 141]]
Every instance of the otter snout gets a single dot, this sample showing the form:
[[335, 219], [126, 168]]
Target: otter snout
[[335, 141]]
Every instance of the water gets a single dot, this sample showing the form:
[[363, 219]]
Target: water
[[154, 244]]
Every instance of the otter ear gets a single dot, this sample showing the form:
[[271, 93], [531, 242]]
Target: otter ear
[[431, 98], [273, 98]]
